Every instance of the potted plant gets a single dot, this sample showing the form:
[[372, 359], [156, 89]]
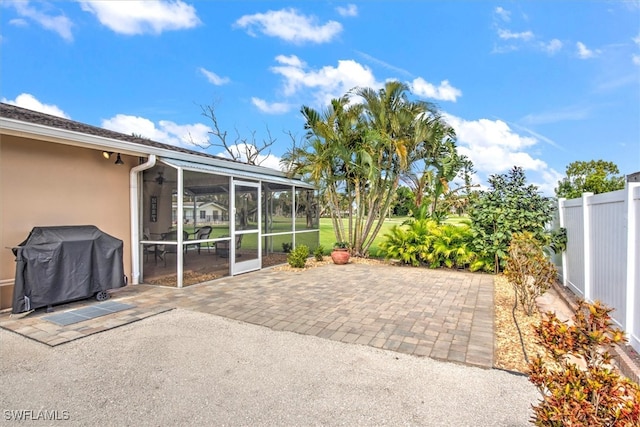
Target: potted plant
[[340, 253]]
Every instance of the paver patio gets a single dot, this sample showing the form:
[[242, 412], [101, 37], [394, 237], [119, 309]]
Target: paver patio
[[442, 314]]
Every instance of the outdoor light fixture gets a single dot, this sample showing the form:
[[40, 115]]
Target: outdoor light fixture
[[107, 154], [119, 160]]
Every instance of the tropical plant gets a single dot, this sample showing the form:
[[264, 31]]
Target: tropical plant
[[318, 253], [595, 176], [297, 258], [451, 246], [403, 202], [342, 244], [528, 270], [509, 206], [582, 388], [421, 240], [558, 240], [360, 149]]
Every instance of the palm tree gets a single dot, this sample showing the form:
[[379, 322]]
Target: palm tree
[[325, 158], [361, 149], [435, 161], [396, 129]]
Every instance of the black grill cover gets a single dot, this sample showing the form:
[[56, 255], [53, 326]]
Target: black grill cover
[[60, 264]]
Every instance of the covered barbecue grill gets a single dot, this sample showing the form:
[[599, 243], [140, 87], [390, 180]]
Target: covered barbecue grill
[[60, 264]]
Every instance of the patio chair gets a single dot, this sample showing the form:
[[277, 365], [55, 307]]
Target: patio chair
[[170, 249], [201, 234], [151, 248], [222, 248]]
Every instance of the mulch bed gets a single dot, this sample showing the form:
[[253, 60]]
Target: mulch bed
[[513, 347]]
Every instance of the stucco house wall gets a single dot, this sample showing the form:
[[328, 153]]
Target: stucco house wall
[[45, 184]]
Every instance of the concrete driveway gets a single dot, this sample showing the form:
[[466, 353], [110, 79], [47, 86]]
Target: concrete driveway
[[342, 362]]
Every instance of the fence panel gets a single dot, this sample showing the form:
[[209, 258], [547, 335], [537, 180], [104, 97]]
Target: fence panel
[[634, 332], [602, 258], [608, 235], [574, 223]]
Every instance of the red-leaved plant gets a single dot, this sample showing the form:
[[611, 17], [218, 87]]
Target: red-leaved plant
[[582, 388]]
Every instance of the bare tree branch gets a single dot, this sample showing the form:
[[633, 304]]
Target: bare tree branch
[[241, 148]]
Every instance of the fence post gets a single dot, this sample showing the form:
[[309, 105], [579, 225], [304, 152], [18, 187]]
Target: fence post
[[563, 255], [632, 250], [586, 230]]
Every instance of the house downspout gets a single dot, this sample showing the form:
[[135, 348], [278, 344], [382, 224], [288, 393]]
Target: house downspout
[[135, 216]]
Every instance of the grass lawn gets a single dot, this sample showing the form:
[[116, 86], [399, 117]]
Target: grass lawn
[[328, 238]]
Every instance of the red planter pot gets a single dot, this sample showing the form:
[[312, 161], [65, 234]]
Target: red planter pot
[[340, 256]]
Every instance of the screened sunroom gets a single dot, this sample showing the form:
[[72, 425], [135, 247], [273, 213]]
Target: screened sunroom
[[200, 222]]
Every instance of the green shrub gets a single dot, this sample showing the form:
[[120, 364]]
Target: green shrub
[[528, 270], [424, 241], [592, 394], [318, 253], [410, 244], [558, 240], [451, 246], [298, 256], [508, 206]]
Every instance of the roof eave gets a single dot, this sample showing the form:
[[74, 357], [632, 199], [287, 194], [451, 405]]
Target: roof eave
[[67, 137]]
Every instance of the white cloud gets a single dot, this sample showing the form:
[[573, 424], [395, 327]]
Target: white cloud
[[196, 133], [383, 63], [504, 48], [19, 22], [328, 82], [349, 10], [41, 14], [538, 136], [584, 52], [240, 153], [504, 14], [143, 17], [444, 92], [508, 35], [190, 135], [495, 148], [548, 181], [574, 112], [292, 60], [635, 58], [213, 78], [290, 26], [273, 108], [28, 101], [552, 47]]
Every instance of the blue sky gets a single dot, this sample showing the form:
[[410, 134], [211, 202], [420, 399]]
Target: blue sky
[[535, 84]]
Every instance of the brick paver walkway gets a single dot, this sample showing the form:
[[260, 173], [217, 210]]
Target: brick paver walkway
[[446, 315]]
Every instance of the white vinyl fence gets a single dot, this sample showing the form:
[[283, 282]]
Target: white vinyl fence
[[602, 260]]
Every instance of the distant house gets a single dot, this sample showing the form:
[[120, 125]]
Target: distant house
[[211, 212], [55, 171], [204, 213]]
